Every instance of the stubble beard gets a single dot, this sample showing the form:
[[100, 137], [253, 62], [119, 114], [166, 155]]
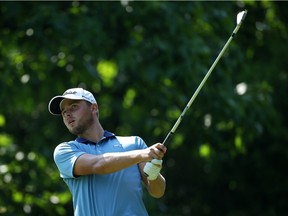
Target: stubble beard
[[82, 126]]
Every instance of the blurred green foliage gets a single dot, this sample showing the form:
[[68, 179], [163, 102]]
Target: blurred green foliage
[[143, 61]]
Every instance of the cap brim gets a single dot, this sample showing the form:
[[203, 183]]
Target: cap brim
[[54, 104]]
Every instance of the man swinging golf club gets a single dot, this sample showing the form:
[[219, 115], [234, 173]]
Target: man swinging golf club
[[104, 172]]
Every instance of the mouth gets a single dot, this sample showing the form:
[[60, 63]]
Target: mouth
[[70, 122]]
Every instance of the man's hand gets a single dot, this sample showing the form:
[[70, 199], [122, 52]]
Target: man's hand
[[152, 169], [156, 151]]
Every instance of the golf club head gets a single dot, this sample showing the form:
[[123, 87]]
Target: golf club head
[[241, 16]]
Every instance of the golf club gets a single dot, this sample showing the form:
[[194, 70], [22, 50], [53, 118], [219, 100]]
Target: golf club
[[240, 17]]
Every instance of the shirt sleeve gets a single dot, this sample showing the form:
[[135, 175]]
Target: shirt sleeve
[[140, 144], [65, 156]]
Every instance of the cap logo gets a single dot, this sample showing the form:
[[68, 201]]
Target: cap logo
[[70, 92]]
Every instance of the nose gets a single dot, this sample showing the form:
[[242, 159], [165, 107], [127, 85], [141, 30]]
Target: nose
[[66, 114]]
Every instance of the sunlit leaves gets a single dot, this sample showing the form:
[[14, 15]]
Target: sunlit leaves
[[15, 56], [177, 141], [17, 196], [107, 71], [5, 140], [204, 150], [129, 98], [2, 120], [173, 113], [239, 144]]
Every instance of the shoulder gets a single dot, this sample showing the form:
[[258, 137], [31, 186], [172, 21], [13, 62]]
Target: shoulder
[[66, 147], [136, 141], [129, 138], [66, 151], [123, 139]]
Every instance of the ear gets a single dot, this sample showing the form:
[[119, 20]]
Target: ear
[[94, 109]]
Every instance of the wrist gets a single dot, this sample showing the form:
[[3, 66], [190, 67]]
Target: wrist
[[153, 179]]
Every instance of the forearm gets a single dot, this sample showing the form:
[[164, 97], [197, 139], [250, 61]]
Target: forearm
[[106, 163], [87, 164], [157, 187], [113, 162]]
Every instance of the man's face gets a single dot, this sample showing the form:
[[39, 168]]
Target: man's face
[[77, 115]]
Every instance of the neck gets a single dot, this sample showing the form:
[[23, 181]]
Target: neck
[[94, 133]]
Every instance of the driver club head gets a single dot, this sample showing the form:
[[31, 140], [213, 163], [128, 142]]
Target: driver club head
[[241, 16]]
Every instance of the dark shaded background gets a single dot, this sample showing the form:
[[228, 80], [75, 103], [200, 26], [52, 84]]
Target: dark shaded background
[[143, 61]]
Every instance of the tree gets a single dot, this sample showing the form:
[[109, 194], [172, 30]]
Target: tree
[[143, 61]]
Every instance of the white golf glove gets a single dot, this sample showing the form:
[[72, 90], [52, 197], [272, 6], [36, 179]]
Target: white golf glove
[[152, 169]]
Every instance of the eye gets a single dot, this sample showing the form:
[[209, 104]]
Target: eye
[[63, 112], [74, 106]]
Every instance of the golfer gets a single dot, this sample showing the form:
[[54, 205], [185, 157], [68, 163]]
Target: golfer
[[104, 172]]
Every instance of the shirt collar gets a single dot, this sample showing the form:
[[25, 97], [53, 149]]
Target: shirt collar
[[106, 135]]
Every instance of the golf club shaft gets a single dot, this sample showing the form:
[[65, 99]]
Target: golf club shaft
[[172, 131]]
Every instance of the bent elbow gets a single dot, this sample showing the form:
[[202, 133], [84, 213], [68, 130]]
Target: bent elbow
[[158, 195]]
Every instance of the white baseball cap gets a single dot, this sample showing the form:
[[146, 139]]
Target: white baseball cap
[[73, 94]]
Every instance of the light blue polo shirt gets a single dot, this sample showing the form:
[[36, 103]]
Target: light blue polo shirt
[[116, 194]]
